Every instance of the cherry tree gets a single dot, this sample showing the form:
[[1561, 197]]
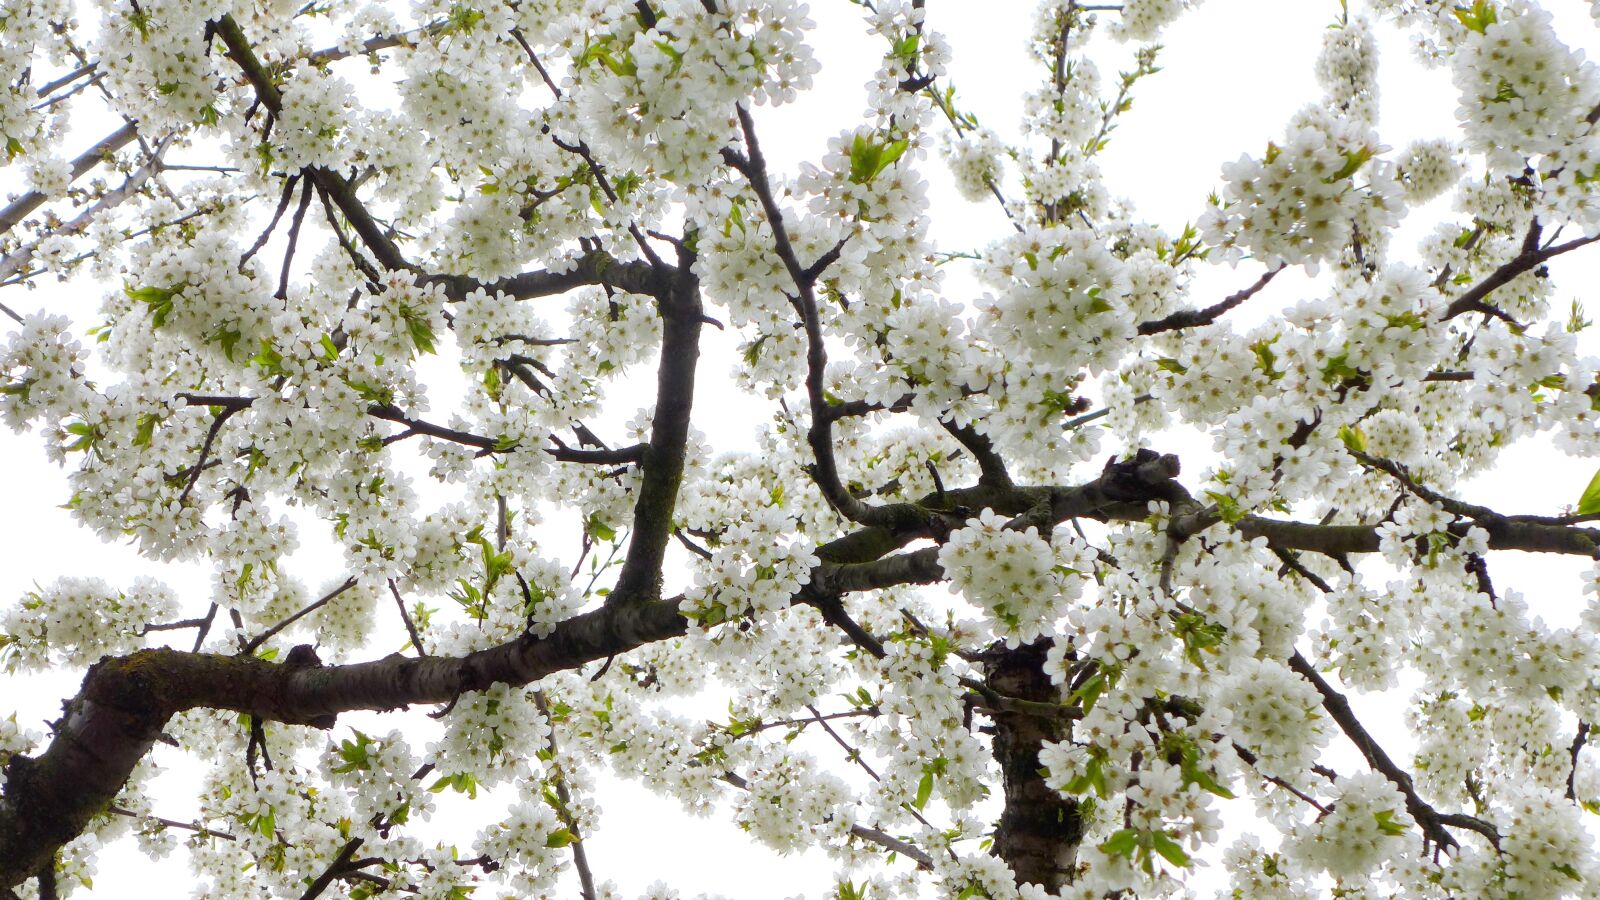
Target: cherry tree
[[435, 287]]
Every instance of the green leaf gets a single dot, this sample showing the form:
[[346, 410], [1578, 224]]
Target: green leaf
[[355, 754], [1590, 501], [847, 890], [600, 529], [1353, 438], [1123, 843], [1477, 17], [145, 432], [674, 54], [1338, 369], [266, 823], [1084, 697], [229, 339], [460, 782], [863, 159], [270, 360], [1209, 783], [1266, 359], [462, 18], [924, 789], [1227, 507], [1170, 850], [561, 837], [1575, 320], [422, 335], [1353, 160], [891, 152], [157, 298], [1387, 824], [869, 158], [905, 49]]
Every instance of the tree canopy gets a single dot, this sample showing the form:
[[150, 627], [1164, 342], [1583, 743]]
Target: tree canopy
[[448, 292]]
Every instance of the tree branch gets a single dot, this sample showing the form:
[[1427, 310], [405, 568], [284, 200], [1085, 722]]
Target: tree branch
[[1191, 318], [1532, 256], [88, 159], [1429, 819], [664, 455]]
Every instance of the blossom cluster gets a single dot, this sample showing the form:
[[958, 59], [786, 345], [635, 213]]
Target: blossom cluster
[[75, 621], [546, 192], [1020, 580]]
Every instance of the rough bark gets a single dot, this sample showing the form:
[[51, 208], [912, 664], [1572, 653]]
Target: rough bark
[[665, 455], [126, 701], [1039, 829]]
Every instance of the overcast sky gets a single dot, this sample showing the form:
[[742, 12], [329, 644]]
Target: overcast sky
[[1234, 71]]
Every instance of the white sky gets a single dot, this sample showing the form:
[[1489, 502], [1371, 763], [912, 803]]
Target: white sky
[[1233, 72]]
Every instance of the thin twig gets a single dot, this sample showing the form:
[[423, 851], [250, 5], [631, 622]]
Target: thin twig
[[263, 637], [411, 627]]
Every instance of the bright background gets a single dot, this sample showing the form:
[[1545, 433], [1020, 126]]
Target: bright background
[[1233, 73]]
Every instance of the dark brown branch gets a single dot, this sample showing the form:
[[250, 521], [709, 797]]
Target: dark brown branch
[[1504, 534], [990, 464], [411, 627], [1191, 318], [833, 612], [293, 240], [173, 626], [272, 225], [205, 451], [825, 470], [333, 186], [664, 457], [1250, 759], [594, 268], [1578, 741], [391, 413], [126, 701], [335, 869], [385, 411], [1430, 820], [1531, 257], [617, 457]]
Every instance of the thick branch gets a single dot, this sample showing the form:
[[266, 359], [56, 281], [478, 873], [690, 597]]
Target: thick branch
[[640, 578], [1504, 534], [596, 267], [125, 702]]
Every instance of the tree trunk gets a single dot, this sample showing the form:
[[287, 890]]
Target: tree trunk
[[1039, 830]]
